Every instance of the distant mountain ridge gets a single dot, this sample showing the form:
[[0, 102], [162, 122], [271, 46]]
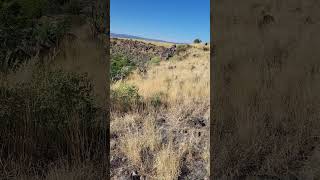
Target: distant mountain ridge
[[115, 35]]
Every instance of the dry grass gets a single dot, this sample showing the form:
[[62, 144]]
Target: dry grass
[[168, 162], [124, 122], [201, 46], [63, 171], [134, 142], [151, 135], [206, 157], [182, 81], [132, 145], [267, 105]]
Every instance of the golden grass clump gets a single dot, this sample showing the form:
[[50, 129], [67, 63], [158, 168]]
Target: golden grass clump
[[168, 163], [132, 143]]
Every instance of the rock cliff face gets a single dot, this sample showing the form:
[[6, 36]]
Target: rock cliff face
[[140, 52]]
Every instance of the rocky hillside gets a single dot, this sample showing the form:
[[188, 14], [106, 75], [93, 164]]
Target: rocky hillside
[[141, 51]]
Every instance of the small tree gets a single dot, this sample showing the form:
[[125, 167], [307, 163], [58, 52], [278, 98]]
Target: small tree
[[197, 41]]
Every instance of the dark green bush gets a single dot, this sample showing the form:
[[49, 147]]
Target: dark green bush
[[197, 41], [53, 96], [23, 35], [121, 66], [49, 32], [61, 94], [48, 112]]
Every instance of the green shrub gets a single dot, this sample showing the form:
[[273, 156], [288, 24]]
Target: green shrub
[[197, 41], [125, 97], [121, 66], [47, 112], [62, 93], [23, 35], [54, 96], [155, 60], [49, 32]]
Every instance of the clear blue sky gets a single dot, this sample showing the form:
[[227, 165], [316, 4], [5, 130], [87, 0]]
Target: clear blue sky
[[170, 20]]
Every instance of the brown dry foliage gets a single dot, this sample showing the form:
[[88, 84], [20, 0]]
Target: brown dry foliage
[[265, 100]]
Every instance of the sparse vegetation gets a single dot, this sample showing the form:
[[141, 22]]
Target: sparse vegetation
[[154, 139], [181, 48]]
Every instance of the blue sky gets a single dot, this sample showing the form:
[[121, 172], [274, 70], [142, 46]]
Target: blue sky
[[170, 20]]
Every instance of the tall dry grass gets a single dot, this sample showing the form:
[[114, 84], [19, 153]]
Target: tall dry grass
[[168, 162], [182, 81], [266, 92]]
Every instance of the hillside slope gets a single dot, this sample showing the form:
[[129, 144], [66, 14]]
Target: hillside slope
[[160, 118]]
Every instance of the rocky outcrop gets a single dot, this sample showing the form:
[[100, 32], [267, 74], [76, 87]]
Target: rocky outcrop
[[139, 51], [168, 52]]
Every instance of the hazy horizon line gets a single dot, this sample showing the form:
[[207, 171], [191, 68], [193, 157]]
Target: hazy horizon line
[[152, 38]]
